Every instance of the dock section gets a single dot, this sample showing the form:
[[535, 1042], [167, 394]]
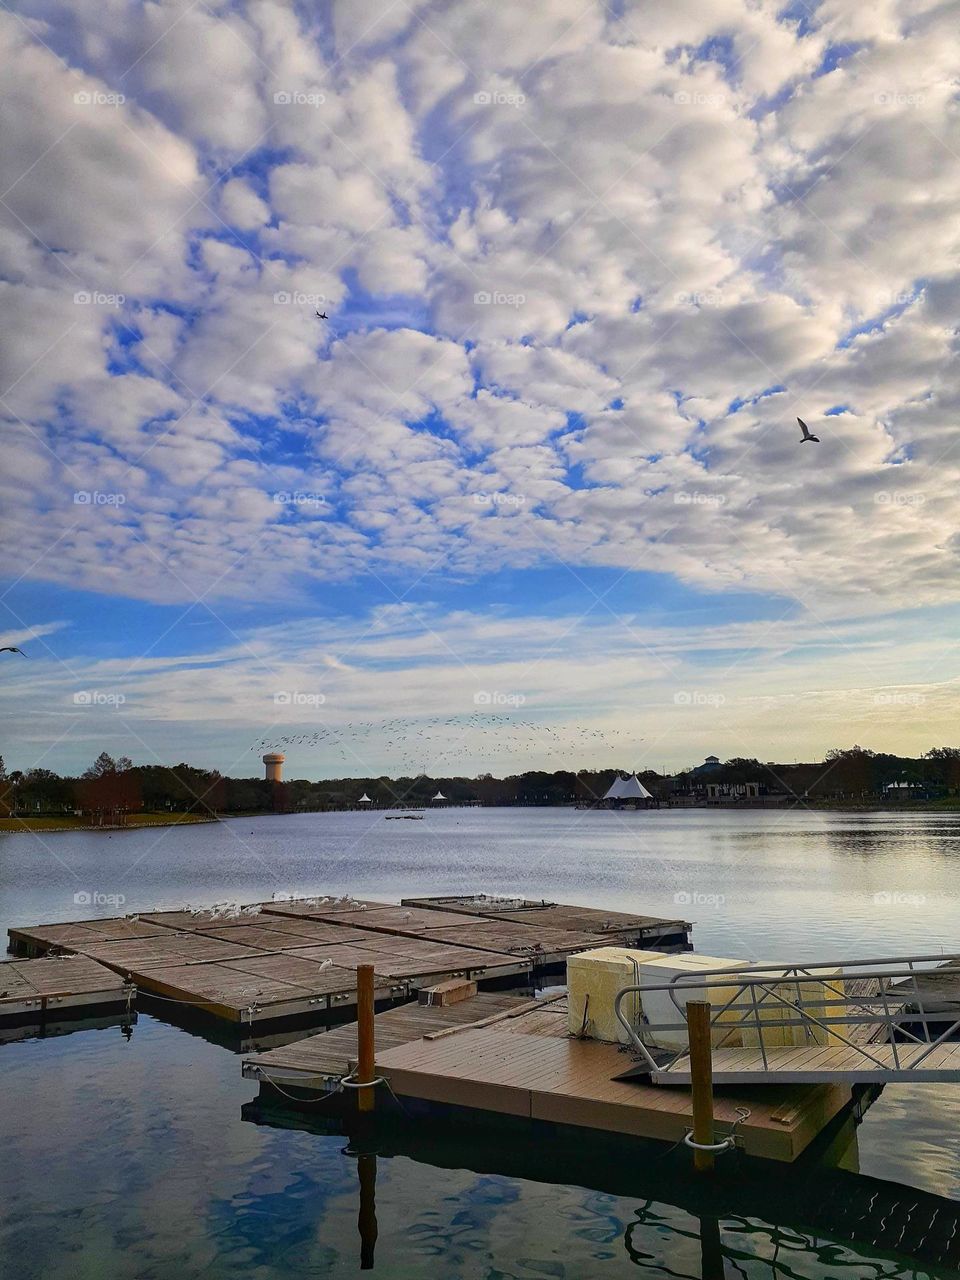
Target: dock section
[[279, 960], [33, 992], [515, 1058], [625, 928]]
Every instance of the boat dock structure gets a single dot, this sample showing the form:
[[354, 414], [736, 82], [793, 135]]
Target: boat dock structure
[[282, 961], [596, 1022]]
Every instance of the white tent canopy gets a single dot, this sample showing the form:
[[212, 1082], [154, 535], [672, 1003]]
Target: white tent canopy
[[439, 796], [628, 789], [364, 799]]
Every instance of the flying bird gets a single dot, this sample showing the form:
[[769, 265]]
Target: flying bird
[[806, 433], [12, 648]]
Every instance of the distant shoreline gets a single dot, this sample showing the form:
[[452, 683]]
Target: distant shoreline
[[52, 825]]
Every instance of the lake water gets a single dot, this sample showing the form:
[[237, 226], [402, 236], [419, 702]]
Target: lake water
[[131, 1157]]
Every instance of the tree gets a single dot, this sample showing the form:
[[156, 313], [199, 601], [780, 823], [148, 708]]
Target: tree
[[103, 764]]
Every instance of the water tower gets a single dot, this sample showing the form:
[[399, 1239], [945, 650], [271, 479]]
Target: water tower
[[273, 761]]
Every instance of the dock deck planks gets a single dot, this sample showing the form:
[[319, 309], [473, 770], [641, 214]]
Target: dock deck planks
[[505, 1068], [63, 985], [622, 925], [511, 1056], [225, 960], [322, 1059]]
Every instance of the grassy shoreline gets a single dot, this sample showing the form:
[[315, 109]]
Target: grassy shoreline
[[136, 820]]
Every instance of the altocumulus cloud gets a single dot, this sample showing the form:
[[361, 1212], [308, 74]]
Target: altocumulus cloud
[[592, 259]]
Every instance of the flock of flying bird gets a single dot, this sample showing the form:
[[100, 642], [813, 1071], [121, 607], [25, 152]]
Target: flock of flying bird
[[439, 740]]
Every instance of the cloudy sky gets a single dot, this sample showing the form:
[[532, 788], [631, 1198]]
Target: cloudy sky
[[584, 264]]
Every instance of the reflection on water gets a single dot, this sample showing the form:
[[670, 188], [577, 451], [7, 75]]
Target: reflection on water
[[130, 1158]]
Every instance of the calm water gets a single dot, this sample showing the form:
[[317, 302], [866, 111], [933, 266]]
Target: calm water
[[131, 1158]]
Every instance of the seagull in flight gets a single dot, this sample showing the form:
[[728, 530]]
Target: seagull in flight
[[806, 433], [12, 648], [322, 315]]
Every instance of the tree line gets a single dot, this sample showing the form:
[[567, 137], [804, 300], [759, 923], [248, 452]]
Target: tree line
[[117, 786]]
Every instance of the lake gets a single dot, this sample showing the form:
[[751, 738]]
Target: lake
[[131, 1157]]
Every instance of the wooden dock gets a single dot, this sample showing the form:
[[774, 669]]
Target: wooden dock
[[280, 960], [320, 1062], [518, 1060], [58, 988], [626, 928]]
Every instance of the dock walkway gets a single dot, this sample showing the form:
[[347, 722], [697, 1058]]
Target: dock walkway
[[321, 1061]]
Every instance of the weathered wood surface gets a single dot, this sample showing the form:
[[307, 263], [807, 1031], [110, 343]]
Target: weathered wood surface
[[408, 945], [330, 1054], [593, 920], [65, 982]]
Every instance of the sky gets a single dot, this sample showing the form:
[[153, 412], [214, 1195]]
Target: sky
[[536, 480]]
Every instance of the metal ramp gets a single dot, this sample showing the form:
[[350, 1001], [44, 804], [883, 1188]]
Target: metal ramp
[[865, 1022]]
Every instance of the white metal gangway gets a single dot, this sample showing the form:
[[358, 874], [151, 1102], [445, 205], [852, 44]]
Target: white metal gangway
[[862, 1022]]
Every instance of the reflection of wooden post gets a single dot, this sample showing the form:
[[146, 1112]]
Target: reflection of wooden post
[[367, 1218], [711, 1249], [701, 1079], [366, 1051]]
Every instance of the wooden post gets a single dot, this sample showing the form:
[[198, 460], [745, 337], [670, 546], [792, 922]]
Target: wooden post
[[366, 1051], [701, 1080]]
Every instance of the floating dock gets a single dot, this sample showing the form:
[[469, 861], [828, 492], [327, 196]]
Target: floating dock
[[515, 1058], [276, 961], [34, 993]]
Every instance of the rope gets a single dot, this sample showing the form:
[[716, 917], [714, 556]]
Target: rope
[[346, 1082], [262, 1075]]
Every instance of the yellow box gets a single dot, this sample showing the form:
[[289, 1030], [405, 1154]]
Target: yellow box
[[593, 980], [660, 1008], [812, 995]]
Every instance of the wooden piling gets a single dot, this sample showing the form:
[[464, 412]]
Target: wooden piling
[[701, 1080], [366, 1050]]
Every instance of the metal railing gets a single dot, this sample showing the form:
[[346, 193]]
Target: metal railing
[[857, 1004]]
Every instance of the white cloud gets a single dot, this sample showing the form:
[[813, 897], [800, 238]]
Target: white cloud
[[661, 222]]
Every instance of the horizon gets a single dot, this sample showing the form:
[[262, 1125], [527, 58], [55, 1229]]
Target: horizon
[[583, 268]]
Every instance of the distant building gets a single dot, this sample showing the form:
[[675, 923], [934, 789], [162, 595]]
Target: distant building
[[729, 791], [897, 792], [711, 763], [628, 791], [273, 763]]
